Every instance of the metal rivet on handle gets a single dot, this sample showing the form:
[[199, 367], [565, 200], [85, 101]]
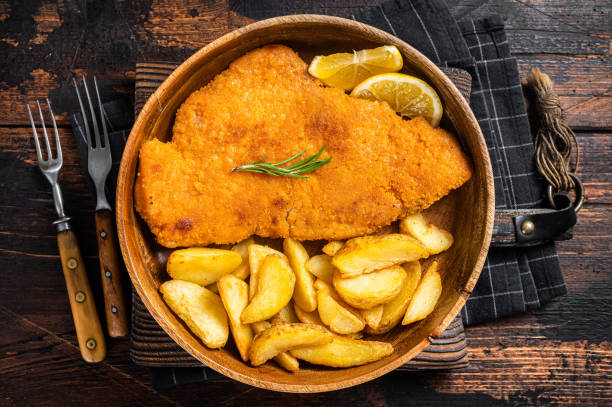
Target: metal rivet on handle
[[114, 309], [107, 274], [103, 235], [80, 296], [72, 263], [527, 227], [91, 344]]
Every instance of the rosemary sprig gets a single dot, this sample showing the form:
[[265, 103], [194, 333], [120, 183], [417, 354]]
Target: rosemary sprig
[[295, 170]]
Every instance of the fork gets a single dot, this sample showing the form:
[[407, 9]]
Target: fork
[[86, 321], [99, 163]]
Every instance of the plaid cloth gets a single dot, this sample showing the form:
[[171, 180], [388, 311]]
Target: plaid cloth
[[513, 280]]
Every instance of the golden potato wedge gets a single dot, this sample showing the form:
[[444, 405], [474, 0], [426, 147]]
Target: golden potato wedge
[[332, 247], [354, 335], [257, 254], [260, 326], [369, 253], [242, 248], [344, 352], [234, 294], [307, 317], [284, 359], [371, 289], [414, 272], [284, 337], [304, 294], [335, 313], [286, 315], [321, 267], [434, 239], [202, 265], [394, 311], [373, 316], [425, 297], [275, 289], [200, 309]]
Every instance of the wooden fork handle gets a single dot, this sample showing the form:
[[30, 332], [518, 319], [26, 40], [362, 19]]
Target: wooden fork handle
[[84, 313], [112, 276]]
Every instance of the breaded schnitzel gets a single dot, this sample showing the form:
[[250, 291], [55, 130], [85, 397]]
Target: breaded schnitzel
[[267, 105]]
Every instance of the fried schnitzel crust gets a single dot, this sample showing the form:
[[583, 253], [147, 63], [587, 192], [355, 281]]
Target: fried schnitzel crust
[[267, 105]]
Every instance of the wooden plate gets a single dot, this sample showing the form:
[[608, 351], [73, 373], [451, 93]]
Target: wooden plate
[[467, 212]]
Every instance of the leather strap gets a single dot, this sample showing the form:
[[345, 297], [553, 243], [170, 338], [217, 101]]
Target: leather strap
[[531, 227]]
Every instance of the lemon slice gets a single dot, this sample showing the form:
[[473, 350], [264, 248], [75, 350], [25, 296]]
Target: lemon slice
[[406, 94], [345, 70]]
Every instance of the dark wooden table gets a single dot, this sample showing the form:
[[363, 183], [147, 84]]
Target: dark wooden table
[[561, 354]]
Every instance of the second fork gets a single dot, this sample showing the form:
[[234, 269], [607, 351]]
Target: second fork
[[99, 163]]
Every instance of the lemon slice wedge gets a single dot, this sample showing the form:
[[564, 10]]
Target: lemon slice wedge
[[345, 70], [407, 95]]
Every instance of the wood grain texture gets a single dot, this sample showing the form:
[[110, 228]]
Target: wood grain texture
[[567, 342], [84, 313], [111, 274]]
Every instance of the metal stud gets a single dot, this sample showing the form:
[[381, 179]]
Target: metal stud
[[114, 309], [80, 296], [527, 227], [91, 344], [103, 235], [72, 263]]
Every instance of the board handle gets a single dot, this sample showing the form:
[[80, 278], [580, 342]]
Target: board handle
[[84, 313], [112, 277]]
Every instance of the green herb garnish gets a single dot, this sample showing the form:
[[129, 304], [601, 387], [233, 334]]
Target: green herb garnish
[[294, 170]]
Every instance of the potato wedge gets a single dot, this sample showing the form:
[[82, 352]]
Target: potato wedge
[[260, 326], [434, 239], [284, 337], [285, 316], [394, 311], [321, 266], [202, 265], [369, 253], [371, 289], [414, 272], [425, 297], [373, 316], [336, 314], [354, 335], [307, 317], [284, 359], [213, 287], [304, 294], [257, 254], [275, 289], [242, 248], [344, 352], [234, 294], [332, 247], [200, 309]]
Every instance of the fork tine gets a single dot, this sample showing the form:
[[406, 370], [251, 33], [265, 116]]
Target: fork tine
[[102, 115], [58, 147], [83, 114], [38, 153], [42, 123], [93, 114]]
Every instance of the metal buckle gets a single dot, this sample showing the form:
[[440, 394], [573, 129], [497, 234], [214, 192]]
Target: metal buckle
[[579, 192]]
